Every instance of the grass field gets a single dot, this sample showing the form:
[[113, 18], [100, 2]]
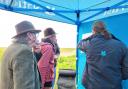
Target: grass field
[[67, 58], [67, 62]]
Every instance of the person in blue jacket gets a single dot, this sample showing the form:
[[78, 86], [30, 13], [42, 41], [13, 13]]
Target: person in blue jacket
[[106, 59]]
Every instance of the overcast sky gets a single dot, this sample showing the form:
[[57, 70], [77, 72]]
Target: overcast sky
[[66, 32]]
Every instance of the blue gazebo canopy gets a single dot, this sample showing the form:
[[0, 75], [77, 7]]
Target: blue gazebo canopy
[[68, 11], [77, 12]]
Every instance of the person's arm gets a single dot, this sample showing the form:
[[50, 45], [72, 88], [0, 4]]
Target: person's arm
[[125, 66], [23, 71], [82, 45]]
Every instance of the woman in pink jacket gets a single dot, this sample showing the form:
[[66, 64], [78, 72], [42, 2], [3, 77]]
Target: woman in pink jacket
[[47, 61]]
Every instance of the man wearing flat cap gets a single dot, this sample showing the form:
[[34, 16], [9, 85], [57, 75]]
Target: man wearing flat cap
[[19, 67]]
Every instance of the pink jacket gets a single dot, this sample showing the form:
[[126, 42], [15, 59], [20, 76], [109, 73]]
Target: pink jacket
[[46, 63]]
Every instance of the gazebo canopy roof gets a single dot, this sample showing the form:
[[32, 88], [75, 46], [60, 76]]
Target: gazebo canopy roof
[[68, 11]]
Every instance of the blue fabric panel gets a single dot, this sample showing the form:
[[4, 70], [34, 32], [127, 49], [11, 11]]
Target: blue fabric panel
[[64, 10], [45, 16]]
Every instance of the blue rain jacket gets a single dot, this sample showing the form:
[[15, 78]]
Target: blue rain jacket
[[106, 62]]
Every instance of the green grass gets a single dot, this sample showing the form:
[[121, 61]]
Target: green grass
[[2, 49], [68, 62], [67, 58], [67, 49], [65, 62]]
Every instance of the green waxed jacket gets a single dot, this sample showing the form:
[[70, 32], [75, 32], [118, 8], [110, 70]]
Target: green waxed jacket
[[19, 68]]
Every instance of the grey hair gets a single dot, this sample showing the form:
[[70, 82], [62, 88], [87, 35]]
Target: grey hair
[[104, 31], [95, 24], [23, 38]]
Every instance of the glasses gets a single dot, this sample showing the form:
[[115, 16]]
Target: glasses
[[36, 34]]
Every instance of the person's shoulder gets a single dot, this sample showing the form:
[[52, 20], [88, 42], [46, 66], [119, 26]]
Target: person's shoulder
[[123, 44], [45, 45], [24, 47], [21, 48], [16, 48], [21, 51], [119, 42]]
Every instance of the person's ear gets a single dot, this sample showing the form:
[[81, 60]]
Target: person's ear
[[94, 30]]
